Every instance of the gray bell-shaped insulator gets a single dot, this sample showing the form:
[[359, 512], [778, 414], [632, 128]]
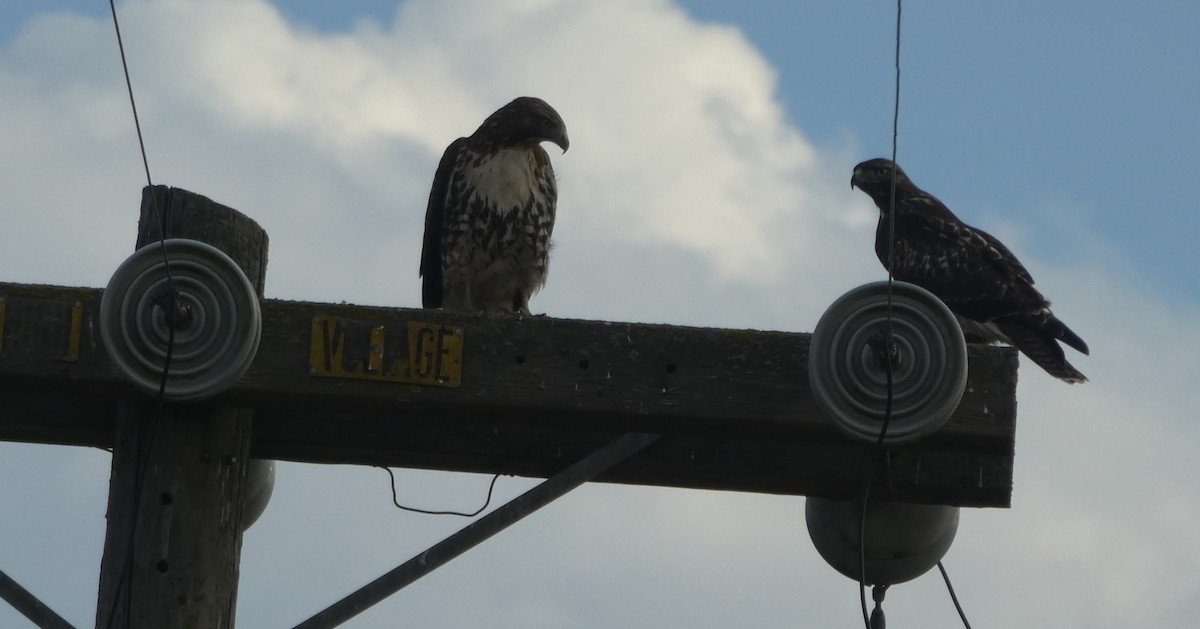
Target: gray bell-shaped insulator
[[848, 362], [216, 318], [903, 541], [260, 484]]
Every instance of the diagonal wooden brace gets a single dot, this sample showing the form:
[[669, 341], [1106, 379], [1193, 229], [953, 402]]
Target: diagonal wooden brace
[[25, 602], [441, 553]]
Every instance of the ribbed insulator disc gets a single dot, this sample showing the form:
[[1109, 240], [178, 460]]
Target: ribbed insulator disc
[[218, 330], [849, 376]]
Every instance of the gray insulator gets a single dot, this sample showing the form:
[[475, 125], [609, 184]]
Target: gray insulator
[[260, 484], [217, 319], [848, 373], [903, 541]]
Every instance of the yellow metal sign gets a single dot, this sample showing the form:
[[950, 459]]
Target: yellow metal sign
[[421, 353], [76, 332]]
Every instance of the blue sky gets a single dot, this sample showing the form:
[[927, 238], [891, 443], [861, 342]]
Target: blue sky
[[1090, 104], [1003, 106], [707, 184]]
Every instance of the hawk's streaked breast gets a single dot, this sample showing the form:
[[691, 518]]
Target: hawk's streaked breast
[[503, 180], [491, 213]]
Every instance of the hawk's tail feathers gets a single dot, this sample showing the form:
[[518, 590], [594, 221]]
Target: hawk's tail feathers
[[1037, 337], [1070, 338], [984, 332]]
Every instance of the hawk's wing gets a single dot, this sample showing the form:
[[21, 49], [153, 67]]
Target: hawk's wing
[[967, 268], [435, 220], [980, 280]]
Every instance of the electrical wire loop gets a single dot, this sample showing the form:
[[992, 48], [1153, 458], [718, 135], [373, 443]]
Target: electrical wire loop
[[396, 499]]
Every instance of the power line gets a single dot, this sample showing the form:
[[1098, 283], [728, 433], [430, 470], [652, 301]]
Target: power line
[[873, 457], [870, 619], [168, 306]]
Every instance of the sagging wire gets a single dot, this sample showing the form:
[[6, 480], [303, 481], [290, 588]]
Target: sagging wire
[[396, 499], [168, 303]]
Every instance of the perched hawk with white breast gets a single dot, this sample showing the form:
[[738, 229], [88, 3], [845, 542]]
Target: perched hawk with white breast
[[967, 268], [491, 213]]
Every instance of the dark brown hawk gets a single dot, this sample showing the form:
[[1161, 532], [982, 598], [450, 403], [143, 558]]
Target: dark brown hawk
[[491, 212], [967, 268]]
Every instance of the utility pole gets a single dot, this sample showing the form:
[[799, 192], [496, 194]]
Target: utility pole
[[176, 495], [532, 396]]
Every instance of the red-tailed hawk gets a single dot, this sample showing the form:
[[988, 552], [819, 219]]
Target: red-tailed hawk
[[491, 212], [967, 268]]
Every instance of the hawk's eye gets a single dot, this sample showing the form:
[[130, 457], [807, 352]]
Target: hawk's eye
[[881, 171]]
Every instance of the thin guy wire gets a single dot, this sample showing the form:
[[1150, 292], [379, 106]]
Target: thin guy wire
[[396, 500], [953, 596], [872, 461], [137, 125]]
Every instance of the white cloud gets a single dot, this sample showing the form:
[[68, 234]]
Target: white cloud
[[678, 141], [687, 197]]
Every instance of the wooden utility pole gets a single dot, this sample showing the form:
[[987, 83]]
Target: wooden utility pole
[[175, 501], [532, 396]]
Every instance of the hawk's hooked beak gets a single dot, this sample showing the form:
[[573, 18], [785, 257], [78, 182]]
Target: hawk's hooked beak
[[562, 141], [854, 178]]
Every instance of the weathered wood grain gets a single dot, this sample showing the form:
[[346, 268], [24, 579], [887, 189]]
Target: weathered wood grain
[[536, 394], [176, 497]]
